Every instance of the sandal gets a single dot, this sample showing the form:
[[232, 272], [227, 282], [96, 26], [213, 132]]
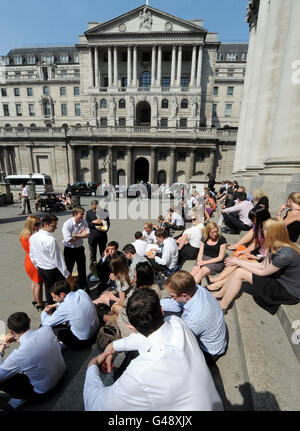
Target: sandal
[[217, 286]]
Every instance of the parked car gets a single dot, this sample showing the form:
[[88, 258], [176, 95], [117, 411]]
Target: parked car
[[82, 188], [176, 190], [136, 190]]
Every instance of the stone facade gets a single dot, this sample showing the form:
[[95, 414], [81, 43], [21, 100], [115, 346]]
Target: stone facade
[[147, 94], [267, 152]]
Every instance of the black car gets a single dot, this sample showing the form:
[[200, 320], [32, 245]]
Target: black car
[[82, 188]]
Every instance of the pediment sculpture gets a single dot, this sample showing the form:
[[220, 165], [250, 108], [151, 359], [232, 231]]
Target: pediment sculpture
[[146, 20]]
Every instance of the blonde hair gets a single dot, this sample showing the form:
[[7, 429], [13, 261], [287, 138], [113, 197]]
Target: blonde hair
[[257, 193], [28, 226], [294, 197], [148, 225], [277, 236], [208, 228]]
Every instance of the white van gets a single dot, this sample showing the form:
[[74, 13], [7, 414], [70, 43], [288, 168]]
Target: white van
[[43, 182]]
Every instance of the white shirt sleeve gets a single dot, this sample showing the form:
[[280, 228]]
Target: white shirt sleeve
[[9, 366], [67, 231], [125, 394], [132, 342], [59, 316], [57, 258], [166, 256]]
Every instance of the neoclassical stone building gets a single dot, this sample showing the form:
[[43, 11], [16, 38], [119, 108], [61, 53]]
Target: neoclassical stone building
[[268, 151], [146, 95]]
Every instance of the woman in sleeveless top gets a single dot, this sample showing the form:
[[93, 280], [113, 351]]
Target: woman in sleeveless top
[[292, 216]]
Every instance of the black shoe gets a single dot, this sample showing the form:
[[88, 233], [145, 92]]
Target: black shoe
[[40, 307]]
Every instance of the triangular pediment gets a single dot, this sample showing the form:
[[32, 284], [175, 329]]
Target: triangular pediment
[[145, 19]]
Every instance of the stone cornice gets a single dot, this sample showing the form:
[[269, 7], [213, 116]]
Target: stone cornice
[[252, 12]]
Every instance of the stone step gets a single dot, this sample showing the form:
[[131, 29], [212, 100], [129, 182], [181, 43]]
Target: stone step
[[273, 368], [289, 317]]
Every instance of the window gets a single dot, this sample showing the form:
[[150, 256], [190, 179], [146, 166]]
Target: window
[[217, 72], [230, 72], [103, 122], [184, 104], [122, 103], [165, 104], [103, 104], [31, 59], [102, 154], [6, 60], [244, 56], [30, 75], [228, 110], [18, 75], [200, 157], [17, 92], [76, 91], [167, 55], [84, 154], [64, 58], [183, 123], [18, 59], [214, 110], [45, 73], [124, 57], [46, 91], [63, 73], [124, 81], [105, 81], [47, 108], [77, 109], [3, 92], [166, 81], [145, 79], [31, 109], [181, 156], [64, 111], [231, 56], [77, 73], [5, 110], [29, 92], [63, 91], [145, 56], [19, 109], [162, 155], [164, 123], [49, 59], [229, 91], [122, 122], [216, 91], [184, 82], [76, 58], [121, 155], [219, 56], [186, 56]]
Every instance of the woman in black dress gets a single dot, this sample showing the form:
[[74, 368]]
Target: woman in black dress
[[292, 216]]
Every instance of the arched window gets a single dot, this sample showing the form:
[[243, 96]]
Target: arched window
[[49, 126], [184, 104], [7, 126], [103, 104], [65, 126], [122, 103], [78, 126], [46, 91], [145, 79], [20, 126], [165, 103], [33, 126]]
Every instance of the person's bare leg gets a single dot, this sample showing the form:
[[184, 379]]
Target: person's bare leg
[[217, 285], [194, 270], [202, 273], [38, 293], [223, 275], [232, 287]]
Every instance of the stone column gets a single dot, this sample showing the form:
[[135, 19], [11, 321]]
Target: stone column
[[158, 83], [74, 164], [179, 64], [96, 62], [134, 81], [193, 66], [91, 67], [152, 165], [115, 67], [129, 66], [110, 167], [109, 55], [92, 163], [211, 161], [129, 159], [171, 167], [153, 66], [173, 66], [7, 161], [199, 66], [191, 164]]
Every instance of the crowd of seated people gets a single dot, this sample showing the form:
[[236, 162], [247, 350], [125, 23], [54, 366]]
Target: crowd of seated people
[[157, 306], [53, 203]]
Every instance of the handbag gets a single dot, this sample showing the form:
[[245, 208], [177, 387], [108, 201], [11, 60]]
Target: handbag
[[108, 333]]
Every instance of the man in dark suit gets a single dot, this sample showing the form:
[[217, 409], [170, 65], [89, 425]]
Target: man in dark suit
[[103, 266], [98, 221]]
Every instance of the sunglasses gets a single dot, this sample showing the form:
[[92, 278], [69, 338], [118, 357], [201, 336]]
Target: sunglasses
[[37, 224]]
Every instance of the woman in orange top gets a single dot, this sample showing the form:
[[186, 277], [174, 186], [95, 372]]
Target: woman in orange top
[[32, 225]]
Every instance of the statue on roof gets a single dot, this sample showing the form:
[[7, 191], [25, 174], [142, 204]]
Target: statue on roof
[[146, 20]]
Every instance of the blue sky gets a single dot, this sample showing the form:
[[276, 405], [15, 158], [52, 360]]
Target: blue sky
[[42, 22]]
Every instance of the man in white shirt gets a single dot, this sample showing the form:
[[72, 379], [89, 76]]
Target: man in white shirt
[[170, 372], [77, 310], [149, 233], [139, 244], [175, 221], [133, 258], [189, 243], [74, 231], [35, 368], [46, 256], [236, 217], [25, 200], [168, 261]]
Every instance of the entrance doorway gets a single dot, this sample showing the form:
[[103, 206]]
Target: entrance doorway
[[143, 114], [141, 170]]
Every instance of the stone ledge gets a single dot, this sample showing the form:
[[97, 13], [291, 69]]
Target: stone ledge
[[287, 314]]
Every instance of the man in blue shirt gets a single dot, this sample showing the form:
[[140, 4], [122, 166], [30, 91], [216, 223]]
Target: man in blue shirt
[[200, 312]]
